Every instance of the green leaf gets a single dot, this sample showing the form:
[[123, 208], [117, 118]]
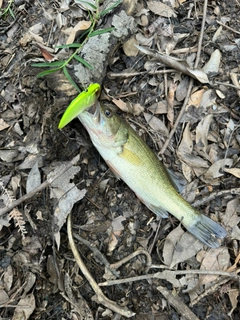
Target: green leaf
[[71, 45], [11, 13], [45, 73], [110, 8], [70, 79], [85, 63], [83, 101], [101, 31], [48, 64]]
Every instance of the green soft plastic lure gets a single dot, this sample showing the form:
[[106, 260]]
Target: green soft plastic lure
[[83, 101]]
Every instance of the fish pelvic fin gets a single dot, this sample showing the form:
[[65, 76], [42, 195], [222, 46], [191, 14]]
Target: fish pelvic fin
[[208, 231]]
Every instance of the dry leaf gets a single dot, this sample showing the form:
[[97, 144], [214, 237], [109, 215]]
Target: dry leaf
[[129, 47], [182, 88], [177, 64], [161, 9], [228, 133], [74, 32], [3, 125], [25, 308], [4, 298], [215, 171], [170, 101], [34, 178], [195, 99], [169, 244], [202, 133], [158, 107], [214, 259], [212, 66], [156, 124], [183, 250], [186, 145], [233, 297], [234, 171]]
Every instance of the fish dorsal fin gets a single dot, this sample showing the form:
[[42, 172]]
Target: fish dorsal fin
[[129, 156]]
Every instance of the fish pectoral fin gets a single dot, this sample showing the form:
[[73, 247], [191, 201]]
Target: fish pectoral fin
[[130, 156]]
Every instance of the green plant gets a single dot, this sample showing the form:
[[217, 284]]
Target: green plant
[[5, 11], [95, 15]]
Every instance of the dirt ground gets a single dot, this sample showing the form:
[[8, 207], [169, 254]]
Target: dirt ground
[[47, 173]]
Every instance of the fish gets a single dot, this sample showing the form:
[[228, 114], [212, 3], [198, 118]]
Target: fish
[[133, 161]]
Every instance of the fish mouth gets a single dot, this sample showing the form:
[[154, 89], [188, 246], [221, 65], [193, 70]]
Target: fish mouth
[[94, 111]]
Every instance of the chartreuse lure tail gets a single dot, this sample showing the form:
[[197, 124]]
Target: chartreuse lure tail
[[83, 101]]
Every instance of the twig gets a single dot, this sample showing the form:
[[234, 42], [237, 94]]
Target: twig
[[235, 86], [41, 187], [169, 274], [177, 303], [97, 254], [224, 25], [190, 83], [100, 297], [133, 74], [215, 195], [214, 285], [131, 256]]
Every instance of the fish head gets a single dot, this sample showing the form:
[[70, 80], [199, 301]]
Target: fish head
[[103, 125]]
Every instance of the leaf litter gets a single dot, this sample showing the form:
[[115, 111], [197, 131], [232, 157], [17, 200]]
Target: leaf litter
[[204, 148]]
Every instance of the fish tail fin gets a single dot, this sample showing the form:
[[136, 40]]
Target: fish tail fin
[[208, 231]]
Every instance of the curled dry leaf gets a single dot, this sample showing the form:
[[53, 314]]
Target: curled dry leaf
[[195, 99], [74, 32]]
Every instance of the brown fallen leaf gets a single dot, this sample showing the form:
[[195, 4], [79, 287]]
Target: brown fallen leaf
[[214, 259], [156, 124], [234, 171], [161, 9], [180, 65], [170, 101]]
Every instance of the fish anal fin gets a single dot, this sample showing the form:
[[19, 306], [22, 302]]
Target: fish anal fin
[[159, 211]]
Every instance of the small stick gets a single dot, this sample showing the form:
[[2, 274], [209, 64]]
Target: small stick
[[177, 303], [100, 297], [215, 195], [170, 273], [224, 25], [118, 264]]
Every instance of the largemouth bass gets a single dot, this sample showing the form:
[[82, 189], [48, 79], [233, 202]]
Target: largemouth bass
[[129, 157]]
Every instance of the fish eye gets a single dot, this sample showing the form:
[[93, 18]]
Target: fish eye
[[108, 113]]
